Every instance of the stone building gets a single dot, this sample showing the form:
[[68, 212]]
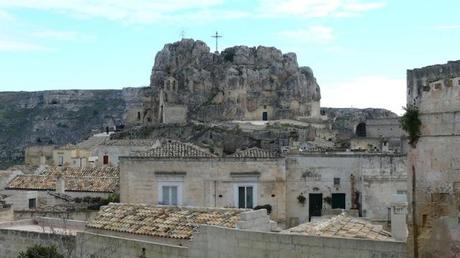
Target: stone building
[[189, 82], [71, 156], [57, 185], [183, 174], [37, 155], [433, 163], [297, 187], [380, 135], [363, 183], [108, 152]]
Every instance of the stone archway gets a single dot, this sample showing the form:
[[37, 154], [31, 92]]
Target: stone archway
[[361, 130]]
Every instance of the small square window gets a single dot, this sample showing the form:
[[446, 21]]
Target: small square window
[[32, 203], [336, 181]]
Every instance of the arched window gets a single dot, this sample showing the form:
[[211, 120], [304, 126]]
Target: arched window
[[361, 130]]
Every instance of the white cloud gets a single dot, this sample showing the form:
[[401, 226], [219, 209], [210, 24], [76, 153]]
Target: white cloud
[[315, 8], [136, 11], [18, 46], [448, 27], [366, 92], [310, 34], [56, 34], [5, 16]]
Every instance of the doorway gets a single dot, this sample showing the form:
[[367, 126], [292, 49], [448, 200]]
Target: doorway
[[264, 116], [315, 205], [338, 201]]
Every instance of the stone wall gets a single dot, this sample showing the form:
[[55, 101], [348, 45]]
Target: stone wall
[[433, 164], [73, 215], [205, 182], [114, 152], [14, 241], [376, 177], [19, 199], [384, 127], [102, 246], [222, 242], [6, 214]]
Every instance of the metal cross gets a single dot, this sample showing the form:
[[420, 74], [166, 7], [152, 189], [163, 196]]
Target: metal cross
[[217, 36]]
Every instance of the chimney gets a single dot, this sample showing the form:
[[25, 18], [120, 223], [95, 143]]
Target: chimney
[[60, 183], [398, 217]]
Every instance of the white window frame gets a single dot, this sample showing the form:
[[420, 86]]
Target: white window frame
[[179, 186], [236, 192]]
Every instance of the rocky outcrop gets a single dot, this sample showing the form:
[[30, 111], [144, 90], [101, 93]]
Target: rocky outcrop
[[240, 83], [57, 117]]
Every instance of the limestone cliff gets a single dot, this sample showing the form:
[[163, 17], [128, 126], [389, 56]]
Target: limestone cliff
[[57, 117], [240, 83]]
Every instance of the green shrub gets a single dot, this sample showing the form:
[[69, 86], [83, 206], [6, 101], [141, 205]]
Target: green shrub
[[410, 122], [39, 251]]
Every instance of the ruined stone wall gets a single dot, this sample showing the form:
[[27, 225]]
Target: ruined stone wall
[[433, 164], [205, 182]]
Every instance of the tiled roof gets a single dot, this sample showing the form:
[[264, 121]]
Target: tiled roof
[[255, 153], [174, 149], [75, 184], [127, 142], [343, 226], [104, 179], [161, 221], [79, 172]]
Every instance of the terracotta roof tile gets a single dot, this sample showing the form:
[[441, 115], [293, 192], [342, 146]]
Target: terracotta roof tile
[[174, 149], [256, 153], [82, 180], [343, 226], [161, 221]]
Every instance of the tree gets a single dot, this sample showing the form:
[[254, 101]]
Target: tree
[[39, 251]]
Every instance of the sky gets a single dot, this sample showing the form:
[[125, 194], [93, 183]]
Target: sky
[[359, 50]]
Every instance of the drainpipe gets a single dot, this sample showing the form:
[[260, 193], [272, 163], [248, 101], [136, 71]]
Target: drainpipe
[[215, 193], [414, 219]]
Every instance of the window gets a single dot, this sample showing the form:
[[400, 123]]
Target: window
[[138, 115], [60, 160], [245, 195], [338, 201], [105, 160], [170, 193], [336, 181], [32, 203]]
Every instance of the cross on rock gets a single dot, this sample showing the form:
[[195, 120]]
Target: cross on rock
[[217, 36]]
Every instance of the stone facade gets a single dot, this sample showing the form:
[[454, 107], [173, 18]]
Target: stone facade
[[366, 182], [37, 155], [433, 164], [108, 153], [361, 182], [71, 156]]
